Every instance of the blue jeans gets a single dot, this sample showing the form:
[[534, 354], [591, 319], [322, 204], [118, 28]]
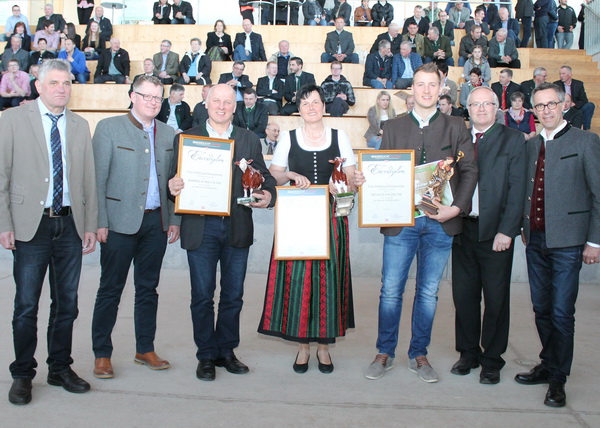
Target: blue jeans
[[552, 26], [374, 142], [220, 340], [82, 77], [461, 61], [182, 21], [239, 54], [564, 40], [587, 110], [554, 283], [322, 22], [376, 84], [326, 57], [428, 241], [57, 246]]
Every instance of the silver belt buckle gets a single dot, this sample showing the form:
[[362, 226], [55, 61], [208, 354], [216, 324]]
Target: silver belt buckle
[[51, 213]]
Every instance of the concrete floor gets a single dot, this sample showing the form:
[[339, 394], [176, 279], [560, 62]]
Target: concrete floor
[[272, 395]]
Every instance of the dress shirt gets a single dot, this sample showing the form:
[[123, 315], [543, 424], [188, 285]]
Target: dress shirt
[[423, 122], [408, 71], [52, 40], [152, 195], [567, 88], [12, 20], [214, 134], [475, 201], [172, 120], [248, 45], [112, 70], [22, 80], [164, 62]]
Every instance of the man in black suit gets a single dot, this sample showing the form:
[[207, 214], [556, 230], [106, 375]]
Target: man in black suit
[[212, 239], [248, 46], [113, 68], [270, 89], [445, 106], [510, 24], [482, 254], [174, 111], [391, 35], [237, 79], [104, 23], [251, 115], [200, 114], [293, 82], [570, 113], [418, 18], [56, 18], [491, 14], [505, 88], [445, 26], [182, 13], [575, 88], [540, 74]]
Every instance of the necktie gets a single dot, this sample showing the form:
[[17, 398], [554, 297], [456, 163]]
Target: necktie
[[478, 137], [297, 83], [504, 89], [57, 167], [270, 148]]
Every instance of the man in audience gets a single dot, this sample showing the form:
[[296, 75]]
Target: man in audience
[[447, 86], [248, 46], [113, 64], [237, 79], [437, 48], [478, 21], [182, 12], [511, 25], [491, 14], [16, 16], [539, 76], [571, 114], [409, 104], [504, 88], [382, 13], [104, 23], [417, 41], [339, 95], [49, 15], [270, 89], [195, 66], [166, 63], [14, 87], [445, 26], [76, 58], [459, 14], [200, 113], [269, 143], [362, 15], [341, 10], [15, 52], [567, 21], [34, 70], [313, 13], [378, 67], [419, 19], [392, 36], [42, 53], [540, 23], [282, 59], [148, 70], [404, 66], [503, 51], [250, 114], [174, 111], [575, 88], [339, 45], [50, 35], [446, 107], [293, 82], [468, 42]]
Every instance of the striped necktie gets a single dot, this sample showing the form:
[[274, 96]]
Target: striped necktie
[[57, 167]]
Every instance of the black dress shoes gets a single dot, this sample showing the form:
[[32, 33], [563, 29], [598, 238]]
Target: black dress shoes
[[232, 364], [20, 391], [539, 374], [69, 381], [325, 368], [489, 376], [300, 368], [206, 369], [463, 366], [556, 397]]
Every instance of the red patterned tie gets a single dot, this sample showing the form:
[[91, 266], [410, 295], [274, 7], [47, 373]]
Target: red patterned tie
[[504, 89]]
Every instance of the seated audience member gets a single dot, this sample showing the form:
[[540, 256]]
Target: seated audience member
[[76, 58], [404, 66], [447, 86], [478, 21], [459, 14], [437, 48], [503, 51], [377, 116], [382, 13], [41, 54], [13, 20], [416, 40], [431, 12], [490, 14], [446, 107], [71, 33], [378, 68], [200, 114], [567, 21], [93, 42], [250, 114], [474, 80], [518, 117], [445, 26], [49, 15], [504, 88], [15, 52], [571, 114], [338, 92], [293, 82], [33, 76], [421, 21], [237, 79], [362, 15], [113, 64], [468, 42], [409, 102], [575, 88], [269, 143], [511, 25], [539, 76], [21, 31], [195, 66], [282, 59], [341, 9], [182, 12], [477, 60], [218, 43], [392, 36], [174, 111], [50, 35], [14, 87], [313, 13], [166, 63], [248, 46], [103, 22], [339, 45], [148, 70], [161, 12], [270, 89]]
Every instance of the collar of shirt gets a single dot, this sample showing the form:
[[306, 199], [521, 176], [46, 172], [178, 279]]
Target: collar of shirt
[[559, 128], [214, 134], [150, 129], [44, 109], [173, 105], [267, 142], [477, 131], [423, 122]]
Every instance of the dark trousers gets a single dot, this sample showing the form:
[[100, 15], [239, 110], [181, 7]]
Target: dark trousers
[[84, 15], [103, 78], [526, 24], [167, 81], [146, 249], [57, 246], [272, 108], [513, 64], [164, 20], [337, 108], [554, 283], [477, 269], [289, 109], [10, 102], [218, 340], [540, 26]]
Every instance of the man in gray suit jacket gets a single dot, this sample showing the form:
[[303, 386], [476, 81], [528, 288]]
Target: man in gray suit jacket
[[133, 154], [339, 45], [561, 229], [166, 63], [48, 214]]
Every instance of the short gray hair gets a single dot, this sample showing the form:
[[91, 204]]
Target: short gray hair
[[538, 71], [545, 86], [502, 31], [406, 43], [484, 88], [384, 44], [53, 64]]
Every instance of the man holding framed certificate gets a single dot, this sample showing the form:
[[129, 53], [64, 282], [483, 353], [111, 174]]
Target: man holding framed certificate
[[223, 239]]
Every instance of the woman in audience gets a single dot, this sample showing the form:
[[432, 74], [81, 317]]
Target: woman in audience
[[218, 43], [518, 117], [377, 115], [41, 54], [161, 11], [93, 42], [71, 34], [362, 15], [478, 60], [21, 30], [474, 81]]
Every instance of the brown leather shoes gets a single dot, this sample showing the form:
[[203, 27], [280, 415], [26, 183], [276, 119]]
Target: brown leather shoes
[[103, 369], [153, 361]]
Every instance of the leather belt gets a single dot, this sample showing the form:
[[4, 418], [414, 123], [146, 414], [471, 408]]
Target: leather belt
[[64, 212], [152, 210], [472, 219]]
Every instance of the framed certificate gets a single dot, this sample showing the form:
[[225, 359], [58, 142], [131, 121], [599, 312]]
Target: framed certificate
[[387, 197], [205, 165], [302, 223]]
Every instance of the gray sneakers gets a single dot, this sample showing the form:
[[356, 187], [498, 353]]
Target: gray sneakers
[[422, 368], [379, 366]]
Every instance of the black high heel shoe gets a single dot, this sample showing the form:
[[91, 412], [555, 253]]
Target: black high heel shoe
[[325, 368], [301, 368]]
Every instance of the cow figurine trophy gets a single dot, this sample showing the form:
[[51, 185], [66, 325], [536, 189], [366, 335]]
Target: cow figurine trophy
[[344, 200], [252, 180], [443, 172]]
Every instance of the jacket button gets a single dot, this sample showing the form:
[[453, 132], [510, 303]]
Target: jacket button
[[46, 180], [529, 198], [41, 202], [147, 151], [527, 217]]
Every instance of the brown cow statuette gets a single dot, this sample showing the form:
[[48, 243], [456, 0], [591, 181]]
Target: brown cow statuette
[[344, 200], [252, 180]]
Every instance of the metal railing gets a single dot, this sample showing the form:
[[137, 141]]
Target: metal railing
[[592, 27]]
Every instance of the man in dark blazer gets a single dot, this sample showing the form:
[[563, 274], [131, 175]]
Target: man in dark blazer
[[250, 114], [491, 14], [212, 239], [392, 36], [182, 12], [540, 74], [510, 58], [561, 229], [56, 18], [117, 57], [293, 82], [48, 219], [445, 26], [270, 89], [378, 67], [510, 24], [504, 88], [200, 114], [166, 63], [248, 46], [437, 48], [468, 42], [237, 79], [339, 45], [482, 254], [181, 119], [419, 19], [104, 23], [570, 113], [577, 91]]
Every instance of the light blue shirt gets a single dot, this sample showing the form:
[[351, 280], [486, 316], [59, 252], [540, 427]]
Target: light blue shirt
[[153, 194], [112, 70], [172, 120], [164, 62], [501, 48], [408, 71], [12, 20]]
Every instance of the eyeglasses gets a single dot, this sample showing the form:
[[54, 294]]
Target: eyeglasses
[[541, 107], [147, 97], [485, 104]]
